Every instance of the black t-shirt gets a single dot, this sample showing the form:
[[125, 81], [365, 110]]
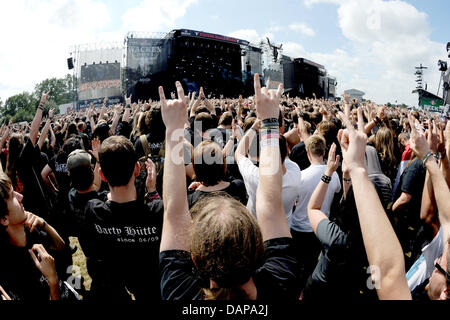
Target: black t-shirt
[[122, 241], [412, 182], [58, 164], [299, 156], [336, 274], [75, 212], [236, 189], [275, 279], [28, 168], [19, 276]]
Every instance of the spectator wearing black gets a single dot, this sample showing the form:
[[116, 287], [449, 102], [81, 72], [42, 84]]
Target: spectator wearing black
[[210, 170], [25, 239], [123, 233], [228, 254]]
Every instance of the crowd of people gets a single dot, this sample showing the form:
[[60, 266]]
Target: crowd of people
[[267, 197]]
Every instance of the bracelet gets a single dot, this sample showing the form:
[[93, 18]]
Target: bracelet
[[427, 156], [271, 123], [44, 225], [325, 178], [347, 180], [152, 195]]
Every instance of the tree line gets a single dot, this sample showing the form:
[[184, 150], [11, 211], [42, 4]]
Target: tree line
[[22, 107]]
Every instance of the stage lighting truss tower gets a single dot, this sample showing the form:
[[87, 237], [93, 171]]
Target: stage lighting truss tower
[[419, 76]]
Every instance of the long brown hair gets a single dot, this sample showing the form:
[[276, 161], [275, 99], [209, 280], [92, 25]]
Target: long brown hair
[[384, 143], [15, 146], [226, 245]]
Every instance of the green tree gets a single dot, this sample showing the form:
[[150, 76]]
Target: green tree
[[61, 89], [20, 107]]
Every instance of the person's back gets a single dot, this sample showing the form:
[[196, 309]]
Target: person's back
[[123, 247], [123, 232], [310, 179]]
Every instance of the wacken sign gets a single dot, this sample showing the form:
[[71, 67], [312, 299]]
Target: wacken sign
[[430, 104]]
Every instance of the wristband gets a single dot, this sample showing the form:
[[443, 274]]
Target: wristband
[[325, 178], [152, 195], [347, 180], [44, 225], [271, 123], [427, 156]]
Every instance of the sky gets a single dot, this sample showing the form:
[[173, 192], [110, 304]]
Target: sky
[[369, 45]]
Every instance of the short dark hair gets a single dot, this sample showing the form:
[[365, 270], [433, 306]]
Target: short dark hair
[[209, 174], [117, 160], [206, 120], [226, 119]]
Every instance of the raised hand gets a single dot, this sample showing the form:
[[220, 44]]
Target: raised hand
[[267, 101], [353, 142], [150, 182], [44, 98], [95, 147], [333, 161], [50, 113], [173, 111], [418, 140]]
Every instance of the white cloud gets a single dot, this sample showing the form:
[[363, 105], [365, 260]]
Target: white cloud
[[247, 34], [155, 15], [389, 38], [303, 29], [36, 37]]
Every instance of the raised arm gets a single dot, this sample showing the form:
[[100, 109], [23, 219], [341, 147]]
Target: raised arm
[[244, 144], [269, 208], [177, 220], [117, 113], [5, 136], [441, 191], [382, 246], [37, 119], [315, 214], [44, 132], [53, 138]]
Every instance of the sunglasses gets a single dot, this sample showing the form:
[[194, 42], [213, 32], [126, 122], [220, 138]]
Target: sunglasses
[[441, 270]]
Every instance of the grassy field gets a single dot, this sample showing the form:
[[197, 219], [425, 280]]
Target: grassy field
[[79, 260]]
